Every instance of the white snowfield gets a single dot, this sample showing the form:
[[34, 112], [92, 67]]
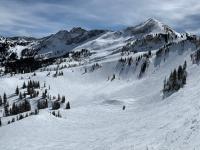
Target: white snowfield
[[96, 120]]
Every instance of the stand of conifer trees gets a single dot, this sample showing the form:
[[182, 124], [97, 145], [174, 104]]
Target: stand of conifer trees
[[176, 80]]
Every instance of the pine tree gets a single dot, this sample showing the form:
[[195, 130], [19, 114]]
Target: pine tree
[[24, 85], [185, 65], [27, 105], [58, 97], [14, 109], [174, 80], [21, 116], [53, 113], [59, 115], [113, 77], [38, 84], [6, 111], [43, 95], [13, 120], [1, 101], [180, 72], [4, 98], [24, 95], [68, 105], [36, 111], [45, 92], [37, 93], [20, 96], [63, 99], [26, 115], [17, 91], [55, 105], [184, 80], [44, 84], [46, 103]]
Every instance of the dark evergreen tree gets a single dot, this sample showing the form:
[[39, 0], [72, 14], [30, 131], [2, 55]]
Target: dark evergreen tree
[[17, 91], [1, 101], [143, 68], [37, 93], [13, 120], [43, 96], [63, 99], [36, 111], [4, 98], [15, 109], [113, 77], [185, 66], [45, 92], [68, 105], [21, 117], [55, 105], [42, 104], [46, 103], [180, 72], [24, 95], [53, 113], [20, 96], [24, 85], [27, 105], [38, 84], [58, 97], [6, 109], [59, 115], [149, 53]]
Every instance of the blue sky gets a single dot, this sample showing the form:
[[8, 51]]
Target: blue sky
[[43, 17]]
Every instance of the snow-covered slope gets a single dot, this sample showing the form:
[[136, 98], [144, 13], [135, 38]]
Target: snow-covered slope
[[151, 26], [64, 41], [97, 121], [97, 94]]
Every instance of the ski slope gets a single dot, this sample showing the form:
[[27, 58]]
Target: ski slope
[[96, 120]]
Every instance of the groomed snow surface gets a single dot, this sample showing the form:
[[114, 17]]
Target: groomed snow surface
[[96, 120]]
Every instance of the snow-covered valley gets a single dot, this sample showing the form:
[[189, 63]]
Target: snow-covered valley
[[114, 104]]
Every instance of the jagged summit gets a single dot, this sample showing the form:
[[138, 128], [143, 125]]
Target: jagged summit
[[150, 26], [77, 30]]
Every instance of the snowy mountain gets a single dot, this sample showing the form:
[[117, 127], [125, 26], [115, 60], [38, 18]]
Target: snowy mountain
[[131, 89], [151, 26], [63, 41]]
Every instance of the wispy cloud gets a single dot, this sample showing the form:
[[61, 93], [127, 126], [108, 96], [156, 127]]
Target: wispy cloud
[[42, 17]]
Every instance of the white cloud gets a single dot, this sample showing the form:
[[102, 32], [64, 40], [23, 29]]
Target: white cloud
[[40, 18]]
